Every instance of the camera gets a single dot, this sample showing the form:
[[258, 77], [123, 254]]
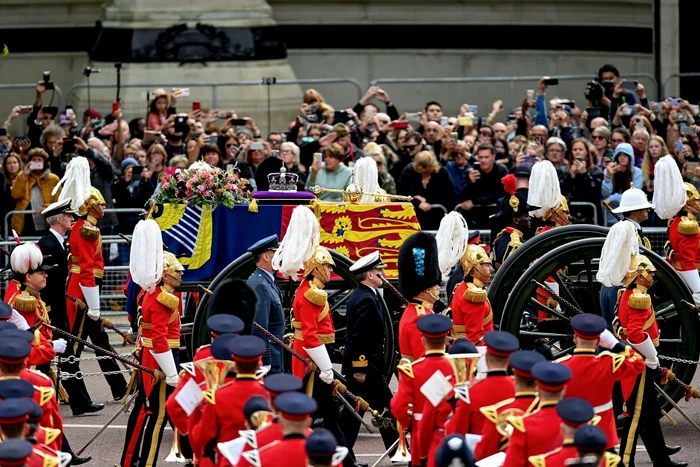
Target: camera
[[181, 124], [48, 84], [594, 91]]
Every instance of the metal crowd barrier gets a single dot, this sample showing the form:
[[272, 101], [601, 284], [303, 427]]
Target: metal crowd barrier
[[511, 80], [57, 89], [674, 76], [214, 86], [594, 209]]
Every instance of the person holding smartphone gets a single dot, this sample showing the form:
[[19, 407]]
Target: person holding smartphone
[[619, 174], [328, 171], [32, 190], [131, 191]]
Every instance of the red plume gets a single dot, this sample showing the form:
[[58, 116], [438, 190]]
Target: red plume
[[509, 183]]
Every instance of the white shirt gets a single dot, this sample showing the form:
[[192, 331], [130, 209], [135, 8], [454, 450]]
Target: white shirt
[[60, 238]]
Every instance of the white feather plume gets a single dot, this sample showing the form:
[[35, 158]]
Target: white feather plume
[[669, 192], [544, 190], [75, 182], [452, 239], [26, 257], [367, 177], [299, 243], [620, 244], [146, 265]]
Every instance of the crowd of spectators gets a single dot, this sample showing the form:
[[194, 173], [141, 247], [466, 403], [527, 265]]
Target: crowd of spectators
[[602, 145]]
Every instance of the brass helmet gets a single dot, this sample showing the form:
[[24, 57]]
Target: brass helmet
[[639, 266], [474, 257], [171, 266], [691, 195], [563, 207], [320, 257], [93, 201]]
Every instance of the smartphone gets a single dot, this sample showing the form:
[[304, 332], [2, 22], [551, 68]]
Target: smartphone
[[137, 170], [48, 84], [511, 119], [318, 157], [465, 121], [238, 122], [539, 140], [476, 165], [687, 130], [342, 116], [679, 146], [474, 109], [213, 139], [675, 103], [369, 113], [593, 112], [69, 110], [36, 165], [27, 109], [115, 107], [629, 85], [257, 146], [399, 125], [185, 92], [443, 121], [196, 106], [551, 82], [68, 146], [455, 136], [531, 94], [412, 116]]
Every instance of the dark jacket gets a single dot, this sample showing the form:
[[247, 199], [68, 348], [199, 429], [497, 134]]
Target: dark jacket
[[54, 295], [583, 188], [364, 339], [439, 190], [269, 315], [101, 177], [132, 195]]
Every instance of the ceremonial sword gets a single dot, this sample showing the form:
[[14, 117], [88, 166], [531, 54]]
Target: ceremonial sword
[[675, 406]]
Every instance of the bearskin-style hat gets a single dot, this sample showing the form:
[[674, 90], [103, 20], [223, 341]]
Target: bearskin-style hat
[[235, 297], [418, 264]]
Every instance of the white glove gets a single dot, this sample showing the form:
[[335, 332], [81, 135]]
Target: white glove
[[320, 357], [93, 314], [166, 362], [652, 363], [648, 351], [608, 339], [696, 299], [92, 297], [18, 320], [59, 345]]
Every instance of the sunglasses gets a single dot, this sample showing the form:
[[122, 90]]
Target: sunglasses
[[274, 141], [410, 147], [598, 137], [383, 122], [231, 146]]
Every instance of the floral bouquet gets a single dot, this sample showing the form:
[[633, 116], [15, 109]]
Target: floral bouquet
[[203, 185]]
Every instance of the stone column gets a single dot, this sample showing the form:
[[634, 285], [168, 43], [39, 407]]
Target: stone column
[[670, 45], [229, 40]]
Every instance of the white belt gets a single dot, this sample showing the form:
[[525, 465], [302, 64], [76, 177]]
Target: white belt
[[417, 416], [602, 408]]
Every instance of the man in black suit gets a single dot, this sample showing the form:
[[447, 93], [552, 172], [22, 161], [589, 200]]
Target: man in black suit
[[53, 244], [363, 356]]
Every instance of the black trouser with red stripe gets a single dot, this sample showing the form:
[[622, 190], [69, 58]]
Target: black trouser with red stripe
[[144, 432]]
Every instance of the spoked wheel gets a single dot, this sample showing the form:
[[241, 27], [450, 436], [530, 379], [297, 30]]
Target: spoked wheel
[[517, 263], [574, 267], [339, 291]]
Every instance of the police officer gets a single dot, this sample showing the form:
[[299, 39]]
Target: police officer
[[363, 356], [269, 314]]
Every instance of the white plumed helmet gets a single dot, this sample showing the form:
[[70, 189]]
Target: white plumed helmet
[[452, 239], [620, 244], [146, 266]]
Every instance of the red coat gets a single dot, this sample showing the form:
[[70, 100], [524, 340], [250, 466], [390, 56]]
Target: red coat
[[556, 457], [34, 311], [410, 338], [222, 417], [44, 395], [431, 429], [471, 312], [263, 437], [682, 251], [290, 451], [176, 413], [160, 329], [42, 350], [50, 437], [492, 441], [313, 324], [496, 387], [594, 377], [42, 456], [536, 433], [12, 289], [86, 262], [411, 378], [636, 322]]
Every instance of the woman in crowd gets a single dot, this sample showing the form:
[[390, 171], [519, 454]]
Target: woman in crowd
[[502, 153], [331, 173], [161, 106], [601, 140], [210, 154], [289, 152], [655, 150], [619, 175], [583, 181], [11, 167], [131, 191], [156, 158], [32, 189], [429, 183], [640, 138]]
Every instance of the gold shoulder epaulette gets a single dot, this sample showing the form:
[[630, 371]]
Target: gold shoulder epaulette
[[316, 296], [24, 303], [406, 368], [51, 434], [539, 460], [515, 240], [167, 299], [46, 394], [563, 359], [491, 411], [47, 379], [611, 460], [688, 226], [210, 396], [517, 423], [617, 359], [639, 301], [89, 232], [475, 294]]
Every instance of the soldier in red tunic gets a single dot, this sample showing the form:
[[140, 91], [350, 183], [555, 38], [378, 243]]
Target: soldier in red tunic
[[158, 273], [290, 451], [419, 282], [600, 370], [314, 332], [14, 413], [638, 326], [590, 441], [574, 412], [408, 402], [495, 387], [86, 265], [495, 432], [222, 414], [539, 431]]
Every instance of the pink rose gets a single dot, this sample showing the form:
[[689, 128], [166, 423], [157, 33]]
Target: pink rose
[[228, 186], [207, 194], [184, 201], [201, 187]]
